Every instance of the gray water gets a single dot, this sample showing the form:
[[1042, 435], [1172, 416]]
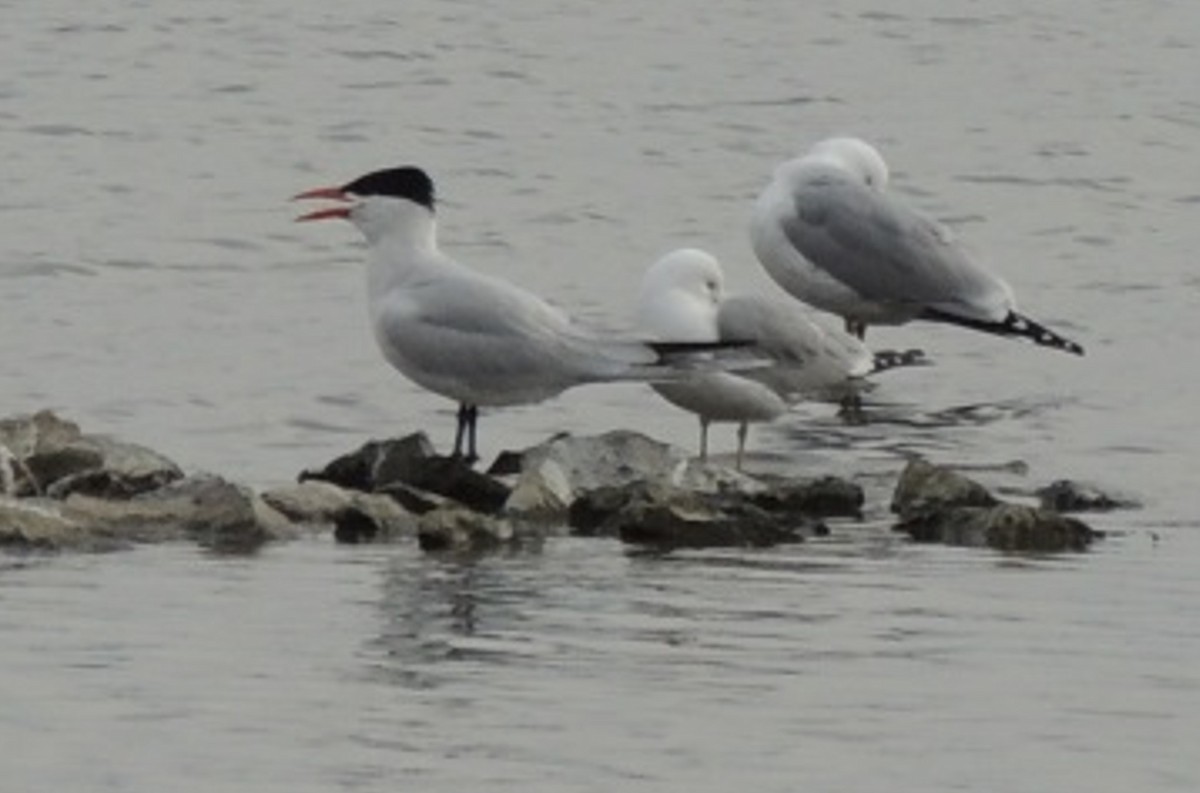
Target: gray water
[[153, 286]]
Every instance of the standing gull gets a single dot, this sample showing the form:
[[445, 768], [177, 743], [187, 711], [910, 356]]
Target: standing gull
[[826, 231], [682, 297], [478, 340]]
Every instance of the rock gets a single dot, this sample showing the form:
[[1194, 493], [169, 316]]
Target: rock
[[51, 456], [541, 493], [376, 463], [923, 487], [125, 470], [354, 516], [38, 525], [44, 431], [379, 466], [612, 459], [1065, 495], [655, 513], [697, 520], [826, 496], [1004, 527], [455, 528], [215, 513]]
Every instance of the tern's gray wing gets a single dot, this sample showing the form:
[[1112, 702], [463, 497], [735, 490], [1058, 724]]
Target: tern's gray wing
[[885, 251], [808, 357], [483, 340]]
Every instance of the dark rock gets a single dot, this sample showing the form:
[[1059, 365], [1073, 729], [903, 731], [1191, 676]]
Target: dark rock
[[826, 496], [507, 463], [378, 466], [376, 463], [654, 513], [592, 513], [413, 499], [1065, 495], [455, 479], [924, 487], [694, 520], [48, 467], [454, 528], [1004, 527]]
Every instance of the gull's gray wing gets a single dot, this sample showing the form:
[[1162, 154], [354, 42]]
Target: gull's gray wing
[[885, 251], [807, 356]]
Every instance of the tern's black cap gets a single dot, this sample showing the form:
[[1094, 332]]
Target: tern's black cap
[[407, 181]]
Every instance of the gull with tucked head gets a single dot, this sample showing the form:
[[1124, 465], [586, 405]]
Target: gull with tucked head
[[828, 232], [683, 297]]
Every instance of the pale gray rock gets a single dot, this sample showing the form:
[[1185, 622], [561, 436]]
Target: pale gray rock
[[34, 524], [455, 528], [353, 515]]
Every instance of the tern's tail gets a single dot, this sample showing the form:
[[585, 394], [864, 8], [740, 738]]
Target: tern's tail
[[894, 359], [1014, 324]]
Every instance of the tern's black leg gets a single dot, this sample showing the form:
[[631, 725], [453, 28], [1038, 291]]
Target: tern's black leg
[[856, 328], [460, 430]]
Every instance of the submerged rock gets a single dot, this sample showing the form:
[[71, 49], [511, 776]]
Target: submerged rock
[[658, 514], [1004, 527], [1065, 495], [939, 505], [825, 496]]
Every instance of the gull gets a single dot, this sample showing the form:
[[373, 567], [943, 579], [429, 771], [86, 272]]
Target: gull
[[682, 297], [825, 230], [478, 340]]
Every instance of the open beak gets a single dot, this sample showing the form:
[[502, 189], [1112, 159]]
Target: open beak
[[331, 193]]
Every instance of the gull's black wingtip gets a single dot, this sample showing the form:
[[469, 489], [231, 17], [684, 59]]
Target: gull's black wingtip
[[1016, 325]]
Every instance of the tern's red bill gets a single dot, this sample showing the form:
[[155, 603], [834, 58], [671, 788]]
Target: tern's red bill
[[331, 193]]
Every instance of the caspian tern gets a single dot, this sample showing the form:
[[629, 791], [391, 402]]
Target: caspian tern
[[478, 340]]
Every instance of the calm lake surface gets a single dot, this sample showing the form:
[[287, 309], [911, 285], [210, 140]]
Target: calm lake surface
[[154, 287]]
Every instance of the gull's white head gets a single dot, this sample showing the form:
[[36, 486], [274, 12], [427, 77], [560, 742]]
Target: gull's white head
[[680, 297], [853, 155], [380, 203]]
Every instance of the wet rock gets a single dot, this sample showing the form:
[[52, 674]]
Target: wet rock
[[211, 511], [1065, 495], [398, 466], [354, 516], [826, 496], [124, 470], [591, 462], [1004, 527], [688, 519], [542, 492], [455, 528], [39, 525], [50, 456], [25, 435], [377, 463], [925, 487], [655, 513]]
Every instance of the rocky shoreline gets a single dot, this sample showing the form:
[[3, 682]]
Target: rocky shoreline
[[62, 489]]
